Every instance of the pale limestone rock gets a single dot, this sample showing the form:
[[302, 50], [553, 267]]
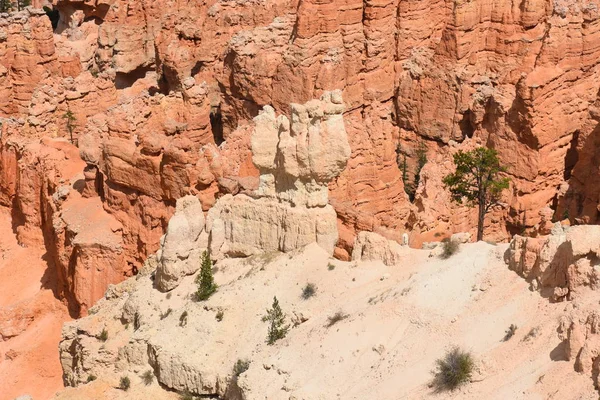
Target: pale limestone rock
[[243, 226], [181, 246], [373, 247], [567, 259], [297, 158], [462, 237]]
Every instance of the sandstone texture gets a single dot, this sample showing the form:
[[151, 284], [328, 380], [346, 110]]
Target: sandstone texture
[[163, 99], [112, 111], [162, 94], [370, 246], [565, 262], [296, 158]]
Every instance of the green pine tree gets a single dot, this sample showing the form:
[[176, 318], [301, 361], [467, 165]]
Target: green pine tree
[[206, 283], [478, 180], [5, 6], [277, 326], [22, 4]]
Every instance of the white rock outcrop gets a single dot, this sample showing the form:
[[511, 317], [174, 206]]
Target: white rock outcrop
[[370, 246], [297, 158], [567, 261], [182, 245]]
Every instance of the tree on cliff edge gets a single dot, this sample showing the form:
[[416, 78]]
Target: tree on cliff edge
[[477, 181]]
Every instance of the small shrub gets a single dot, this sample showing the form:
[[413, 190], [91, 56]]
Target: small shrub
[[183, 318], [219, 316], [449, 248], [186, 396], [124, 383], [165, 314], [453, 370], [206, 283], [169, 295], [240, 367], [277, 326], [91, 378], [104, 335], [148, 377], [330, 267], [335, 318], [309, 291], [510, 332], [531, 334]]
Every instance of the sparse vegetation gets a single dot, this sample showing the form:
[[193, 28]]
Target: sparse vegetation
[[219, 316], [421, 154], [330, 267], [186, 396], [476, 181], [22, 4], [91, 378], [148, 377], [5, 6], [240, 367], [206, 283], [533, 332], [309, 291], [335, 318], [510, 332], [124, 383], [183, 318], [166, 313], [453, 370], [103, 335], [70, 117], [278, 329], [449, 248]]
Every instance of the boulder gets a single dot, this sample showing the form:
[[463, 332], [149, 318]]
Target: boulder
[[374, 247]]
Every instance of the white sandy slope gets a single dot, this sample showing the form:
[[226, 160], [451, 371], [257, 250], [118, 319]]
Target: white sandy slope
[[400, 320]]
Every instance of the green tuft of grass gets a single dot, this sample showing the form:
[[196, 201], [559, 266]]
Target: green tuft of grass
[[148, 377], [240, 367], [124, 383], [510, 332], [335, 318], [449, 248], [453, 370], [309, 291]]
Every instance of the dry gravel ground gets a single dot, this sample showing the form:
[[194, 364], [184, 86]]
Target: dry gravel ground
[[400, 319]]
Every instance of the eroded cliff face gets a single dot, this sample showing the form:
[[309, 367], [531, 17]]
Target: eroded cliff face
[[161, 95]]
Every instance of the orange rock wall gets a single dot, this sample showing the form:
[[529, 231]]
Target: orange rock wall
[[162, 93]]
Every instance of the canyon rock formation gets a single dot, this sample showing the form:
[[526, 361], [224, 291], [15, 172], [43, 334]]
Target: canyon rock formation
[[159, 97], [111, 111]]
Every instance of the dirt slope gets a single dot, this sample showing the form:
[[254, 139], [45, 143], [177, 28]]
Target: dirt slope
[[400, 319]]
